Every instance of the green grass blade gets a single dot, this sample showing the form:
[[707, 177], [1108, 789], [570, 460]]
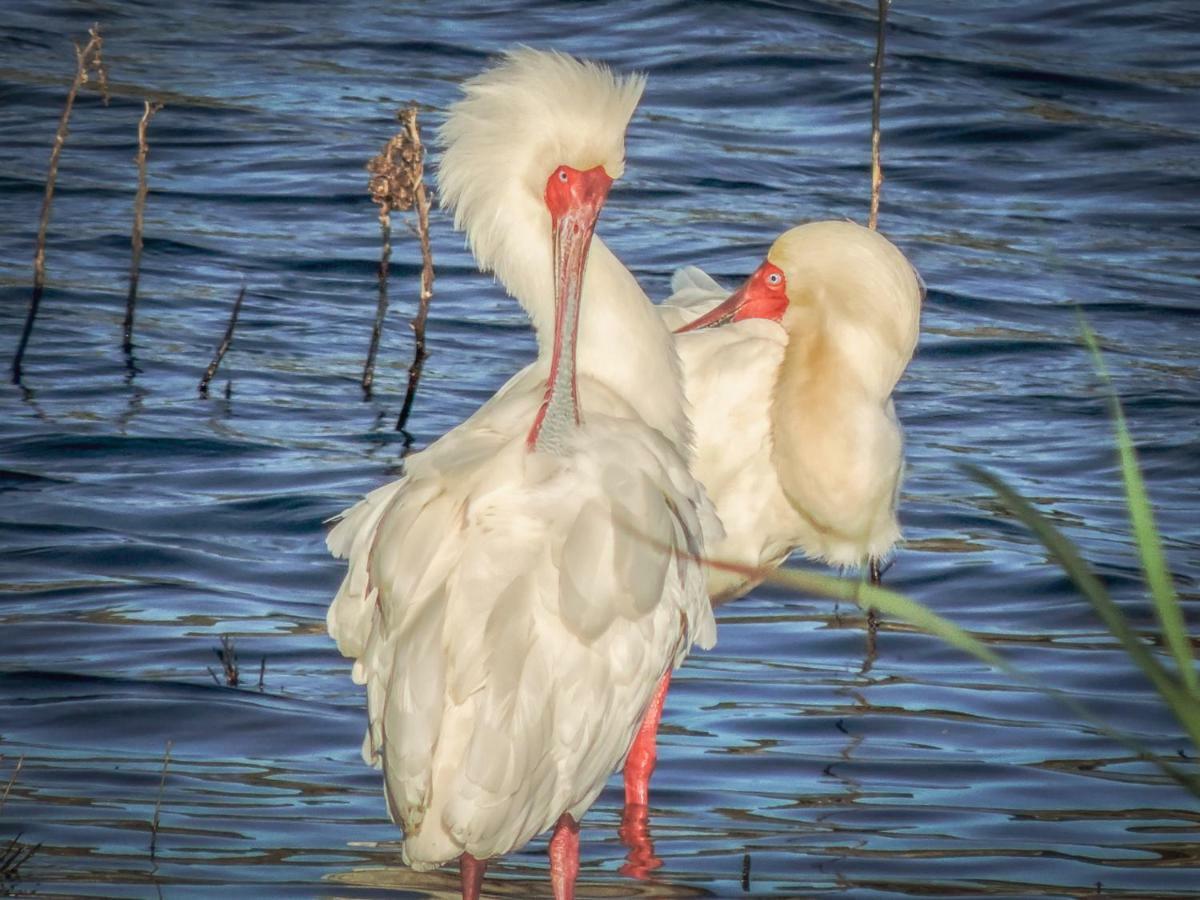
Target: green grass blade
[[1146, 534], [1182, 704], [897, 606], [889, 603]]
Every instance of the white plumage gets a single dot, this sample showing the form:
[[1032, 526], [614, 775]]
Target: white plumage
[[797, 440], [511, 605]]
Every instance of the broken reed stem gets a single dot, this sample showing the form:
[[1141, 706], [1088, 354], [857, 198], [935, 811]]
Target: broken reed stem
[[227, 654], [409, 118], [876, 169], [228, 657], [139, 207], [390, 187], [162, 785], [398, 183], [11, 781], [13, 856], [385, 256], [224, 346], [87, 58]]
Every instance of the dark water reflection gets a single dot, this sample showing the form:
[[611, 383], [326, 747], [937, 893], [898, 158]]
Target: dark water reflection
[[1038, 156]]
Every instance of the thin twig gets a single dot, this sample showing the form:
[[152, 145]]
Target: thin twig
[[390, 187], [262, 671], [11, 781], [398, 183], [224, 346], [162, 785], [409, 118], [876, 169], [139, 207], [87, 58], [13, 856], [385, 256], [227, 654]]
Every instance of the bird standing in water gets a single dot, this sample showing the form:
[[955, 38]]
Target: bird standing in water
[[514, 601], [790, 380], [797, 440]]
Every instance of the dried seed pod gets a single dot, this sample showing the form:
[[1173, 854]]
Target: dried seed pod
[[398, 168]]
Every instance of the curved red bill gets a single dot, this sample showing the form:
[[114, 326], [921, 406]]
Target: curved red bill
[[762, 296]]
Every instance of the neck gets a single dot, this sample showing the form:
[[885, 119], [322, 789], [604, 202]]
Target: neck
[[559, 413], [623, 344], [815, 398], [627, 348], [813, 376]]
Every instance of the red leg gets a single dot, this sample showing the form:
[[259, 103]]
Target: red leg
[[564, 858], [639, 764], [470, 870]]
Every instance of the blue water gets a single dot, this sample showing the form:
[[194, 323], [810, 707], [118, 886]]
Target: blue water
[[1039, 158]]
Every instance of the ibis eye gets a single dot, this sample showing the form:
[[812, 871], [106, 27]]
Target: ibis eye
[[562, 175], [774, 278]]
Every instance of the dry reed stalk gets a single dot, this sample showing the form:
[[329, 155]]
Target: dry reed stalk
[[162, 785], [398, 183], [875, 576], [139, 207], [872, 223], [87, 59], [418, 323], [11, 781], [223, 347], [13, 856], [384, 170], [227, 654], [876, 169]]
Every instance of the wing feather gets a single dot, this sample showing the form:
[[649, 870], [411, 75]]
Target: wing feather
[[587, 568], [695, 279], [693, 293], [511, 614], [642, 541], [412, 686]]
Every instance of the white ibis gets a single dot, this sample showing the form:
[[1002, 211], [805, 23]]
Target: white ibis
[[513, 602], [797, 439]]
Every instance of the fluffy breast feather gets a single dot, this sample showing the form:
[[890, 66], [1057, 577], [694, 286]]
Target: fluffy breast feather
[[729, 375]]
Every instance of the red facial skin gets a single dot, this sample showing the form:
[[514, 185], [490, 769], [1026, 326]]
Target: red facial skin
[[567, 188], [763, 296]]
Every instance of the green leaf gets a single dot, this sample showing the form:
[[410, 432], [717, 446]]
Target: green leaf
[[898, 606], [1146, 534], [1182, 704], [890, 604]]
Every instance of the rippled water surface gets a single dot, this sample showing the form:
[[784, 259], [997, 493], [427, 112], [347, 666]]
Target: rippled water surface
[[1039, 157]]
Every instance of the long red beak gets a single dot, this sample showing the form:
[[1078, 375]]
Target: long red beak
[[762, 296], [574, 200], [574, 212]]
